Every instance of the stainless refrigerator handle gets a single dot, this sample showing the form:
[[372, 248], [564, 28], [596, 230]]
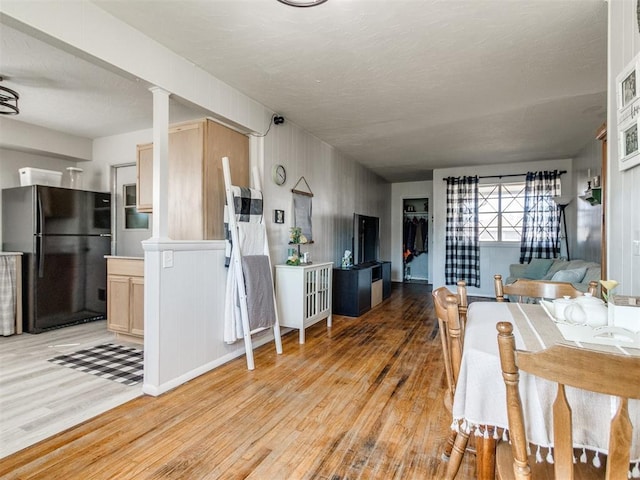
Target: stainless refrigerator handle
[[40, 254], [39, 232], [40, 226]]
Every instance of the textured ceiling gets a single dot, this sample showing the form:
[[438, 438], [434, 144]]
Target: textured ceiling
[[401, 86]]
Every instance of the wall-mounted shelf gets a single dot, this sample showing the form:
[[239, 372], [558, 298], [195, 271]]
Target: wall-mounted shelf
[[593, 195]]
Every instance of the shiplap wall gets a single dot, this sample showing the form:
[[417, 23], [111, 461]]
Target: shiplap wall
[[340, 187], [585, 238], [623, 192]]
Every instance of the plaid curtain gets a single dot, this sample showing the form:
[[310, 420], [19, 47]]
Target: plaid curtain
[[462, 242], [541, 223]]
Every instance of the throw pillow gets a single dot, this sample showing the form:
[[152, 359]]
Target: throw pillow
[[572, 276], [537, 268]]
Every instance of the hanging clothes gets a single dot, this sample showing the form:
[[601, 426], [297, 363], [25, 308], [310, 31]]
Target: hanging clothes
[[425, 234], [410, 228], [419, 242]]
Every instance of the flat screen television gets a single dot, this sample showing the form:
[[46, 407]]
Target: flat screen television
[[366, 238]]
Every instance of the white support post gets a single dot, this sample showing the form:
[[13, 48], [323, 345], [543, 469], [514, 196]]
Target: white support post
[[160, 228]]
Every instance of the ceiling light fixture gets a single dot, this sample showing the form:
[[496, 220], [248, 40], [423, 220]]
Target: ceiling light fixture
[[302, 3], [8, 101]]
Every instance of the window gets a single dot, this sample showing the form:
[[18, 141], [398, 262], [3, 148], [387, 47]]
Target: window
[[132, 218], [500, 211]]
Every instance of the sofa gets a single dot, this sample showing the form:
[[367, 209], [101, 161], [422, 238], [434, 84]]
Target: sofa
[[577, 272]]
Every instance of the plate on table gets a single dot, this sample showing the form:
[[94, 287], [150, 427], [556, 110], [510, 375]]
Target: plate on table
[[606, 335]]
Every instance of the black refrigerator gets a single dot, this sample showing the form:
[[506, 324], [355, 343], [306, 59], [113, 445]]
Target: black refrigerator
[[64, 235]]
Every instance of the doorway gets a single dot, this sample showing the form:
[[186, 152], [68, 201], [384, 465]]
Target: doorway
[[130, 226], [415, 240]]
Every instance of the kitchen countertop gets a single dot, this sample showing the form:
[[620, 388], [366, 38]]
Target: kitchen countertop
[[123, 257], [11, 253]]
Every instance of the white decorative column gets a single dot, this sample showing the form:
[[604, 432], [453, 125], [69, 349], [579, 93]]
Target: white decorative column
[[160, 227], [152, 253]]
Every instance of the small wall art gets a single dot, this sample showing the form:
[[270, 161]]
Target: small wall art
[[278, 216]]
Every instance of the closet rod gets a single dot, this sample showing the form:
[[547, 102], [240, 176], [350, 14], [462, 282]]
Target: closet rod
[[509, 175]]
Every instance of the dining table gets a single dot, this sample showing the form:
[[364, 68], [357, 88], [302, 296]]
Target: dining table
[[479, 405]]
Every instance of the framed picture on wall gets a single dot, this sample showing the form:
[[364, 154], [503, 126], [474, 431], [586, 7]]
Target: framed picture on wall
[[628, 149], [628, 91]]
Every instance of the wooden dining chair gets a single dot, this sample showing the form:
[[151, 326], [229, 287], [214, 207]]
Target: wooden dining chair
[[596, 371], [451, 312], [451, 329], [524, 288]]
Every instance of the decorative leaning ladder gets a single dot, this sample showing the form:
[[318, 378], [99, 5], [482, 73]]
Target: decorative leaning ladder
[[236, 259]]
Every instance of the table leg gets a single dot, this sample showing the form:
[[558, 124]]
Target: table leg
[[486, 456]]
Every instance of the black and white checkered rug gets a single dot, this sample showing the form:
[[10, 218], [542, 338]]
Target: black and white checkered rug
[[113, 362]]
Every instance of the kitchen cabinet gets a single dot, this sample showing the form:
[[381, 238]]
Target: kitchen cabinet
[[196, 184], [303, 294], [125, 297], [144, 172]]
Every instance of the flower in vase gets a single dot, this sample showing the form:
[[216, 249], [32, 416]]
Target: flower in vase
[[295, 234], [609, 286], [293, 259]]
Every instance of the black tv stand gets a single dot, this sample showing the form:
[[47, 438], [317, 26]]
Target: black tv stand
[[359, 288]]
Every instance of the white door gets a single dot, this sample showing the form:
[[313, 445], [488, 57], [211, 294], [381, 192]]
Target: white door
[[132, 227]]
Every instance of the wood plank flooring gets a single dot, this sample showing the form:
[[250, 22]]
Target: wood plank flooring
[[39, 399], [363, 399]]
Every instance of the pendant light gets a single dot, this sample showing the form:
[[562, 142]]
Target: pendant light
[[8, 101], [302, 3]]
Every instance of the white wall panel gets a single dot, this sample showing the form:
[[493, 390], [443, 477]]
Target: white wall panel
[[584, 221], [623, 200], [190, 314]]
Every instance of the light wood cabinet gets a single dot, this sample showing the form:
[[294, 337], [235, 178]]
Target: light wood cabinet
[[125, 297], [303, 294], [144, 171], [196, 185]]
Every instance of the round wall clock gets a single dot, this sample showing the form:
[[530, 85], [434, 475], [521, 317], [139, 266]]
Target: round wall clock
[[279, 174]]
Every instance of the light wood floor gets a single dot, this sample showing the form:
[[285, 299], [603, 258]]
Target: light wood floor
[[39, 399], [361, 400]]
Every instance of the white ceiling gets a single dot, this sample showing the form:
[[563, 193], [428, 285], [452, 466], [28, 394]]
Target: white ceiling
[[401, 86]]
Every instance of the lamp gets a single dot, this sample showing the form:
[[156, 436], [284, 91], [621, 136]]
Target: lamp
[[302, 3], [8, 101], [562, 201]]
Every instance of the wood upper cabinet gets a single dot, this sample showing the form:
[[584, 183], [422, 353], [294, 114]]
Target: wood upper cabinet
[[196, 184], [144, 167]]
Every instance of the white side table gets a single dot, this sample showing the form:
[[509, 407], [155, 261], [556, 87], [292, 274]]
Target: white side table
[[303, 294]]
